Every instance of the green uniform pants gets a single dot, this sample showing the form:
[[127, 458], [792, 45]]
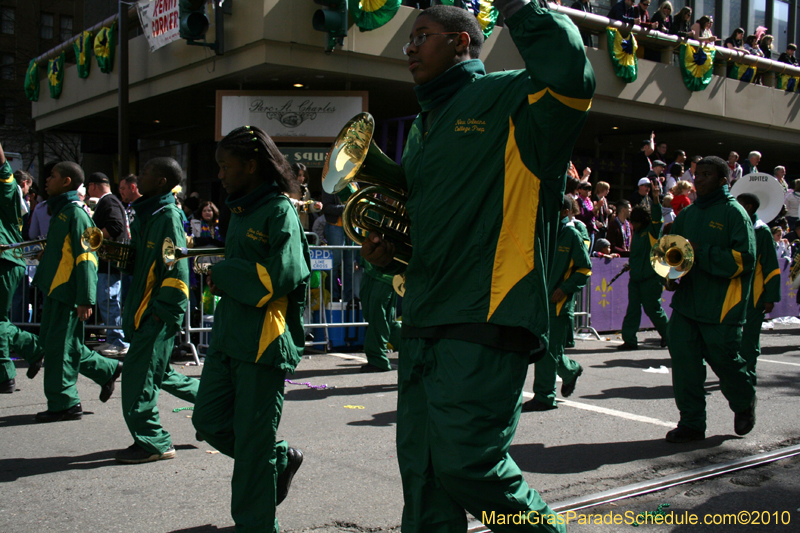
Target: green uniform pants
[[643, 294], [555, 362], [458, 407], [751, 339], [378, 302], [691, 343], [23, 343], [178, 385], [146, 366], [61, 336], [238, 410]]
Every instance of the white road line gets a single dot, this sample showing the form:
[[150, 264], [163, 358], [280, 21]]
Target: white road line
[[612, 412], [777, 362]]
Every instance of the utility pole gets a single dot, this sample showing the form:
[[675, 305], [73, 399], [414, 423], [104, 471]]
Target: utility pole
[[122, 111]]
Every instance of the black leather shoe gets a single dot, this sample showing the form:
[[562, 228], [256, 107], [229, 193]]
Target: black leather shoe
[[135, 454], [567, 388], [198, 437], [744, 422], [370, 369], [663, 343], [624, 347], [535, 405], [34, 368], [682, 434], [73, 413], [8, 386], [295, 458], [108, 389]]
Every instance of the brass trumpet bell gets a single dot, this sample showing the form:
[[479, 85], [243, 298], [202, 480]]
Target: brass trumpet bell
[[120, 254], [172, 254], [91, 239], [672, 256]]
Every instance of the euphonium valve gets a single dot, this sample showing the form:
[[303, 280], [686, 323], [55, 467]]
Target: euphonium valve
[[672, 256]]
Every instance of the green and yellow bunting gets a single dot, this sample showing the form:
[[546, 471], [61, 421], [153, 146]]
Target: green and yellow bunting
[[83, 53], [55, 75], [483, 10], [372, 14], [104, 46], [788, 82], [623, 55], [742, 72], [32, 81], [696, 65]]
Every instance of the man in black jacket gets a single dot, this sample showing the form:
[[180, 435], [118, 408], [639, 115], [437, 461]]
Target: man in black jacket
[[109, 216], [587, 7]]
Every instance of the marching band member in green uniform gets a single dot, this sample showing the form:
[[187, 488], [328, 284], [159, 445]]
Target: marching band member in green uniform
[[378, 300], [766, 285], [570, 273], [154, 310], [12, 269], [258, 327], [709, 305], [485, 165], [67, 275], [644, 285]]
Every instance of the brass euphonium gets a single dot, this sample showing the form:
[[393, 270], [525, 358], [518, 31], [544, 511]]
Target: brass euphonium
[[380, 207], [24, 249], [672, 257], [119, 253], [172, 254]]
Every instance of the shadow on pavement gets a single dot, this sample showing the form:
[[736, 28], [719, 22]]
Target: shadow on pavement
[[208, 528], [30, 420], [342, 369], [306, 394], [635, 363], [661, 392], [13, 469], [576, 458], [386, 419]]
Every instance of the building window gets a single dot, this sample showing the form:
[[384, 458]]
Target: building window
[[7, 112], [7, 20], [66, 28], [7, 67], [46, 26], [781, 29]]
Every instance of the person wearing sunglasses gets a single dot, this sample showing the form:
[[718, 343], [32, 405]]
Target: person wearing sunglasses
[[485, 169]]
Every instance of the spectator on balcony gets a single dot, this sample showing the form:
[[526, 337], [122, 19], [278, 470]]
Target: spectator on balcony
[[751, 165], [680, 196], [642, 194], [586, 207], [666, 209], [679, 157], [587, 7], [644, 16], [689, 174], [658, 172], [682, 23], [572, 187], [642, 165], [766, 46], [701, 30], [602, 212], [736, 40], [780, 175], [662, 19], [620, 230], [788, 55], [751, 46], [672, 179], [736, 168], [625, 11]]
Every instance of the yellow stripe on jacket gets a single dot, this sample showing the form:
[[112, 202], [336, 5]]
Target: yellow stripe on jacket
[[148, 293], [65, 266], [274, 324]]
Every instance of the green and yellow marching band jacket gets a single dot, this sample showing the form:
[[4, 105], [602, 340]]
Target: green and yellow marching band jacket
[[717, 288], [10, 214], [485, 165], [67, 271], [571, 268], [154, 289], [263, 278], [767, 276]]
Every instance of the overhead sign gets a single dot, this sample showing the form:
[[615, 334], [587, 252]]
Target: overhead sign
[[310, 157], [321, 259], [296, 116], [160, 21]]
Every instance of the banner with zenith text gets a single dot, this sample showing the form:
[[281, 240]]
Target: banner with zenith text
[[160, 22]]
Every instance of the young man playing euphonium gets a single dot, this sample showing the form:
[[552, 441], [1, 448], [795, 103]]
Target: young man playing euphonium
[[154, 311]]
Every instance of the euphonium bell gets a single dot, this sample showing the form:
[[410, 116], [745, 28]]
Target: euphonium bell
[[672, 256], [172, 254], [379, 208], [119, 253]]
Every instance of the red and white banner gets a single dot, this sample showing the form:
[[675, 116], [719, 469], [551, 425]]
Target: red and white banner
[[160, 21]]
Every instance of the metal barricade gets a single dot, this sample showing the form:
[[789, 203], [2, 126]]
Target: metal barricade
[[583, 313]]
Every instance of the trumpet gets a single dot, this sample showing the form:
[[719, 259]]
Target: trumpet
[[672, 257], [172, 254], [380, 207], [120, 254], [24, 249]]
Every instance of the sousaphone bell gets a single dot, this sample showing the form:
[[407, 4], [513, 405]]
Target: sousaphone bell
[[767, 189], [672, 257]]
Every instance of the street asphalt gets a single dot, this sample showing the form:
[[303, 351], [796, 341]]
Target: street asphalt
[[62, 477]]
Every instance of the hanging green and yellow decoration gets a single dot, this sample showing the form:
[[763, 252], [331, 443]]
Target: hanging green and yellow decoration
[[742, 72], [32, 81], [788, 82], [104, 46], [623, 55], [372, 14], [696, 65], [83, 53], [483, 10], [55, 75]]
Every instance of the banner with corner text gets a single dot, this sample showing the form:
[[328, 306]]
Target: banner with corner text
[[608, 304], [160, 21]]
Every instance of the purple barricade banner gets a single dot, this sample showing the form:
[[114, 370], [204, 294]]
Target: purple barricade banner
[[609, 303]]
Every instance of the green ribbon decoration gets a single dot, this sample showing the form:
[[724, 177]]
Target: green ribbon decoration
[[104, 47], [788, 82], [83, 53], [372, 14], [32, 81], [623, 55], [742, 72], [55, 75], [697, 64]]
